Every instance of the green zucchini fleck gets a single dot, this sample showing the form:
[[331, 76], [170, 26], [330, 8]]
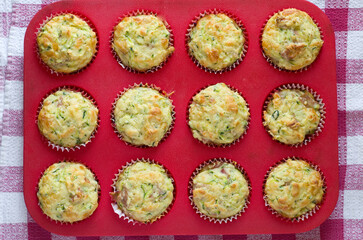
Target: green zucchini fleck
[[275, 114]]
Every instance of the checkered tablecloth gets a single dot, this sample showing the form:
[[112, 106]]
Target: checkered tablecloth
[[346, 222]]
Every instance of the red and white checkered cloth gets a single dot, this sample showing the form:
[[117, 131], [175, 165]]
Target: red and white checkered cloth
[[346, 222]]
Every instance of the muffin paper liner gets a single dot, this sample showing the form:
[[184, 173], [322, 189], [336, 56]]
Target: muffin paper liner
[[308, 138], [84, 94], [239, 23], [211, 144], [119, 211], [210, 164], [136, 13], [270, 61], [309, 213], [163, 93], [62, 222], [36, 49]]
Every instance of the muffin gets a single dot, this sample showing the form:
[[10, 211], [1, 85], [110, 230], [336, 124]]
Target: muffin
[[218, 115], [143, 116], [142, 42], [216, 41], [294, 188], [68, 192], [143, 191], [67, 118], [291, 40], [220, 190], [292, 115], [66, 43]]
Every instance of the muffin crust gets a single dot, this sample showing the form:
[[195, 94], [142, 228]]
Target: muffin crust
[[218, 115], [66, 43], [291, 115], [67, 118], [291, 39], [142, 42], [144, 191], [216, 41], [294, 188], [68, 192], [220, 190], [143, 116]]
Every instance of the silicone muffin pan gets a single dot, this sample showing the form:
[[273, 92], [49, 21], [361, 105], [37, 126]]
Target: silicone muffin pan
[[180, 153]]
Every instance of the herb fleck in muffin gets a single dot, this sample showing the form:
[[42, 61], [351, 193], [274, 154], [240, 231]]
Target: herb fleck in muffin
[[68, 192], [294, 188], [220, 190], [67, 118], [143, 116], [291, 39], [143, 191], [291, 115], [66, 43], [216, 41], [218, 115], [142, 42]]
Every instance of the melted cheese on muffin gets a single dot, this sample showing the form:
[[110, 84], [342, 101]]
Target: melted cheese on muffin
[[216, 41], [67, 118], [218, 115], [143, 191], [143, 116], [68, 192], [220, 191], [66, 43], [142, 42], [291, 39], [293, 188], [291, 115]]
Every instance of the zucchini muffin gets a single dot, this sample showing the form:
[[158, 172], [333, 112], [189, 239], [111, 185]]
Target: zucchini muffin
[[218, 115], [66, 43], [292, 115], [291, 39], [216, 41], [142, 42], [68, 192], [143, 116], [67, 118], [220, 190], [294, 188], [143, 191]]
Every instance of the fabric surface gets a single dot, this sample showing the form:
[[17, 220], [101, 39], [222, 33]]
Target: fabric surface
[[346, 222]]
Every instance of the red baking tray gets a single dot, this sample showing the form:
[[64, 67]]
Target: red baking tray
[[180, 153]]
